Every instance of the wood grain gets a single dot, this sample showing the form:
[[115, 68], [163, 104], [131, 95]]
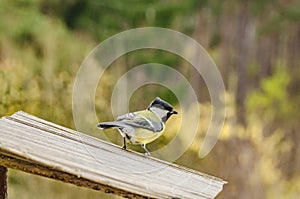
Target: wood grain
[[40, 147]]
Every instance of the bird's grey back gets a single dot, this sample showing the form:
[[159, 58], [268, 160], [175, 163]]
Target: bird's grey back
[[137, 121]]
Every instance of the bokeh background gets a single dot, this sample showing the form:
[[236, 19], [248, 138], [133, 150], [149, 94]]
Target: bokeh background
[[255, 45]]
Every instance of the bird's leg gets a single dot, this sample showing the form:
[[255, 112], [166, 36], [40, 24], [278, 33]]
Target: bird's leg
[[124, 143], [144, 147]]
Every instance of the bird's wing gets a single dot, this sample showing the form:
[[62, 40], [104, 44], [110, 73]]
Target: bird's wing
[[127, 116], [142, 119]]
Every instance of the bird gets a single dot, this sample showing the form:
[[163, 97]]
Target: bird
[[142, 127]]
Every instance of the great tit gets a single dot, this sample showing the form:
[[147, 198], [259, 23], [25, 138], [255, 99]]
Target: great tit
[[142, 127]]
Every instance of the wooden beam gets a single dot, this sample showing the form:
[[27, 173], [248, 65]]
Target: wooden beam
[[3, 182], [33, 168], [36, 146]]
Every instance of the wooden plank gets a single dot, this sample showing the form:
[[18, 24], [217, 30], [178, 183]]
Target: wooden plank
[[33, 168], [3, 182], [40, 147]]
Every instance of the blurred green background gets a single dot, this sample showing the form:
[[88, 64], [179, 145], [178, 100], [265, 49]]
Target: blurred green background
[[255, 44]]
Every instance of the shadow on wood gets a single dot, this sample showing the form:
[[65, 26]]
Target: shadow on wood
[[36, 146]]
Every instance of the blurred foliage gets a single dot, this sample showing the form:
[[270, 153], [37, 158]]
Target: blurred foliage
[[42, 44], [272, 101], [39, 58], [107, 17]]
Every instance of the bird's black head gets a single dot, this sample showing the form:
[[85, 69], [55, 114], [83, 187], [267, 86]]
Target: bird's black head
[[161, 108]]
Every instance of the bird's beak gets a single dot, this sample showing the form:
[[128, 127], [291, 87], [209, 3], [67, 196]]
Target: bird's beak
[[174, 112]]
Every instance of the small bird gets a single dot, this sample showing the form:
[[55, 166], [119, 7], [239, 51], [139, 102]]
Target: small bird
[[142, 127]]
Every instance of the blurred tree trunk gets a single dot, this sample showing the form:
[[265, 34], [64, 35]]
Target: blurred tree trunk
[[292, 54], [242, 62], [226, 48], [201, 35], [268, 44]]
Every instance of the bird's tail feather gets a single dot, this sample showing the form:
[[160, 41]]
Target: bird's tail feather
[[107, 125]]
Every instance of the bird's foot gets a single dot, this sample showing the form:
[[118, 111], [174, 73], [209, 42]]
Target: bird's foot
[[124, 144], [146, 150]]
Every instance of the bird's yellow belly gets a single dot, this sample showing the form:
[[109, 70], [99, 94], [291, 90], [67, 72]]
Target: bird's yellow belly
[[143, 136]]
